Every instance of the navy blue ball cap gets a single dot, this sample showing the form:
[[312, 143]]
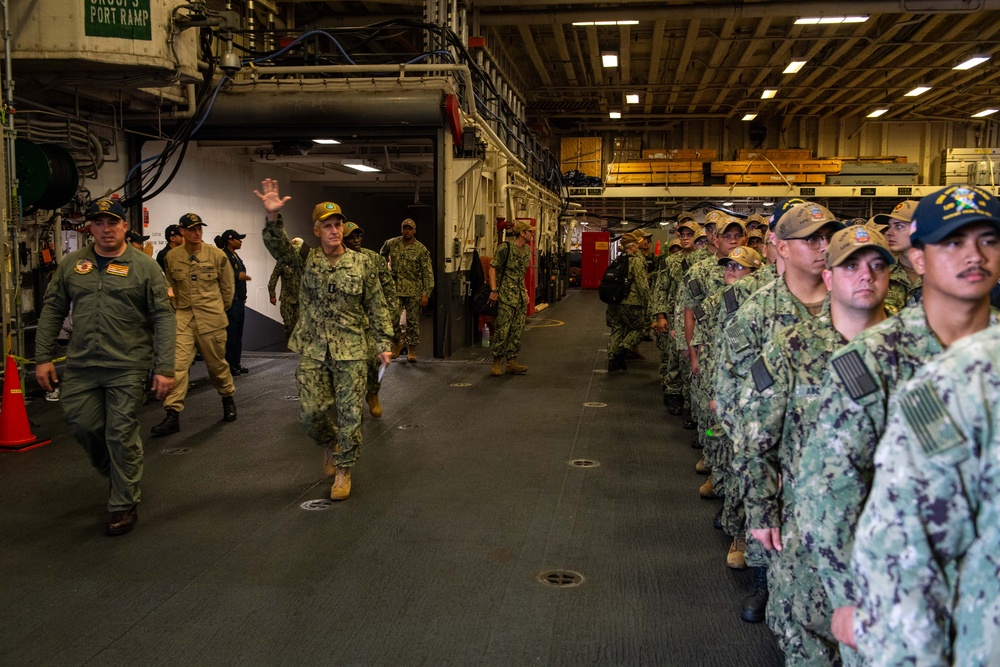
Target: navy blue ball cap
[[190, 221], [941, 213], [105, 206], [781, 208]]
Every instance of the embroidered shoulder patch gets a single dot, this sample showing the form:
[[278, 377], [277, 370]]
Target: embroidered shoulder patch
[[84, 266], [855, 375], [696, 289], [929, 420], [732, 302], [699, 312], [736, 336], [762, 378]]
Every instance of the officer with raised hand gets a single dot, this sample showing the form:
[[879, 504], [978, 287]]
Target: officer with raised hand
[[956, 248], [787, 378], [120, 306]]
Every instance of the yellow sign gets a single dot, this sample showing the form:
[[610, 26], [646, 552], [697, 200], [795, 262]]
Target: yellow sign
[[601, 245]]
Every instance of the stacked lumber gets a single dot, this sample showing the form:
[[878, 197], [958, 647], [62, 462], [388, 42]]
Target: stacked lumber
[[762, 172], [655, 172], [682, 154], [774, 154], [582, 154]]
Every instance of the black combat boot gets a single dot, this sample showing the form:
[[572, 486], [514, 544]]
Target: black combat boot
[[753, 607], [170, 424], [674, 403], [617, 362], [717, 521], [228, 409]]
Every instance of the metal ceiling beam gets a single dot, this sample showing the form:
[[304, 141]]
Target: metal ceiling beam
[[625, 53], [689, 41], [759, 33], [718, 54], [558, 31], [529, 46], [655, 56]]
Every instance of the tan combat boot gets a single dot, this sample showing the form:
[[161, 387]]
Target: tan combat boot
[[397, 346], [411, 353], [329, 465], [374, 405], [516, 368], [497, 367], [707, 490], [736, 559], [341, 484], [702, 468]]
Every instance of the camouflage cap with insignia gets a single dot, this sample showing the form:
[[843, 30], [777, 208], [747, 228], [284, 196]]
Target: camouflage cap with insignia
[[640, 233], [105, 206], [715, 218], [325, 209], [674, 243], [729, 222], [803, 220], [848, 241], [755, 219], [688, 223], [408, 222], [628, 237], [352, 228], [523, 226], [943, 212], [743, 255], [902, 212], [686, 215]]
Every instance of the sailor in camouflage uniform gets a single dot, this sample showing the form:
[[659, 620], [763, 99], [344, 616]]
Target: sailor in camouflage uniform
[[925, 554], [413, 275], [289, 307], [803, 234], [956, 246], [787, 378], [507, 271], [904, 283], [353, 236], [629, 318], [343, 313]]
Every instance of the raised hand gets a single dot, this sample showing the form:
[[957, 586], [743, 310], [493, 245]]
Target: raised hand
[[272, 201]]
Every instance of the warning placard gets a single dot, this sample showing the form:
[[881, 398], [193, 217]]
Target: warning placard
[[124, 19]]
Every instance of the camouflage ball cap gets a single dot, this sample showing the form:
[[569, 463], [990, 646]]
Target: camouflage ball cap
[[903, 211], [715, 218], [324, 210], [945, 211], [522, 226], [803, 220], [640, 233], [743, 255], [408, 223], [688, 223], [352, 228], [848, 241]]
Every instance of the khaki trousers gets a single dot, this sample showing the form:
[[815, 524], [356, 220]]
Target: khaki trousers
[[213, 348]]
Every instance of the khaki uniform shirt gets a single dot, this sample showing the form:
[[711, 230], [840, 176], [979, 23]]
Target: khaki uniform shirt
[[203, 286]]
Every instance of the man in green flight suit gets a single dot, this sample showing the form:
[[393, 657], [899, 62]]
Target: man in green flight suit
[[341, 306], [413, 274]]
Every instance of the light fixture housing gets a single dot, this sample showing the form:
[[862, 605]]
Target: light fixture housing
[[609, 59], [769, 94], [877, 113], [614, 115], [326, 142], [749, 116], [919, 90], [984, 113], [794, 66], [631, 98], [971, 62], [592, 23], [360, 164], [830, 20]]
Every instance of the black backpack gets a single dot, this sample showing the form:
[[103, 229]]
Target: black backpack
[[616, 282]]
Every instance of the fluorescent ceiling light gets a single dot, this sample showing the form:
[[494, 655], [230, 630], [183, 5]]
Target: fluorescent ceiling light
[[877, 113], [360, 165], [972, 62], [632, 98], [609, 59], [768, 94], [749, 116], [590, 23], [615, 114], [829, 20], [768, 203], [727, 203], [919, 90], [326, 142], [984, 113], [626, 22], [794, 66]]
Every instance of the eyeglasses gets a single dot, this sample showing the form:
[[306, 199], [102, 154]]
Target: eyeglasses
[[732, 236], [817, 241], [686, 235], [734, 266]]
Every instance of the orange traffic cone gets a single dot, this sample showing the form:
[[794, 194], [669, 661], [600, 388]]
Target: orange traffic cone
[[657, 251], [15, 432]]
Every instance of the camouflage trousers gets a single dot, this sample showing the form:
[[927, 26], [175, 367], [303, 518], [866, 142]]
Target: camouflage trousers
[[338, 386], [670, 364], [798, 609], [508, 327], [289, 316], [627, 323], [410, 304], [701, 393], [372, 383]]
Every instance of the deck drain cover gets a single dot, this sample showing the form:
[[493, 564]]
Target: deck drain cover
[[460, 384], [600, 370], [320, 504], [594, 404], [176, 450], [602, 349], [561, 578], [584, 463], [291, 398], [407, 427]]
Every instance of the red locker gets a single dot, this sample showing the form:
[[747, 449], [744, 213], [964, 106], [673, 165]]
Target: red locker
[[594, 258], [531, 275]]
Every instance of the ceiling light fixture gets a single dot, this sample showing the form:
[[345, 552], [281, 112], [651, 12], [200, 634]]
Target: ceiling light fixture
[[768, 94], [326, 142], [971, 62], [591, 23], [984, 113], [609, 58], [919, 90], [749, 116], [830, 20], [794, 66], [767, 203], [614, 115], [632, 98], [360, 164], [727, 203], [877, 113]]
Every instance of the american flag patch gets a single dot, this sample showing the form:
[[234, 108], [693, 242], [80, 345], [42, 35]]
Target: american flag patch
[[118, 269], [929, 420], [855, 375], [737, 336]]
